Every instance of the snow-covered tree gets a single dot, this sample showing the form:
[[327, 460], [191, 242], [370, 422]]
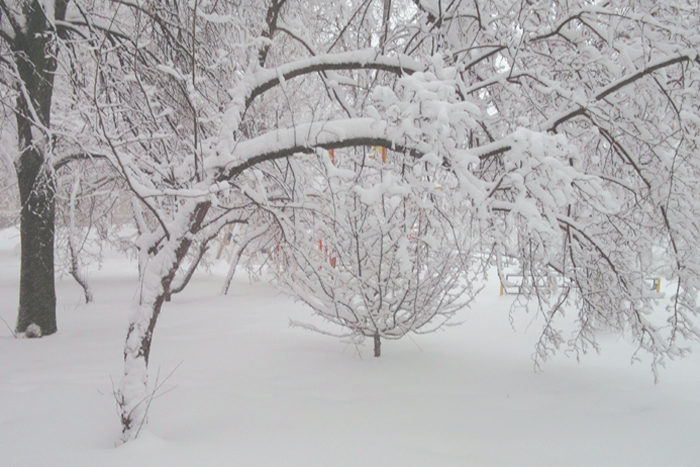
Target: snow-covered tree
[[593, 116], [568, 130], [91, 211]]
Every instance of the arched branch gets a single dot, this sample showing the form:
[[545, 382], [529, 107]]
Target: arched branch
[[368, 59]]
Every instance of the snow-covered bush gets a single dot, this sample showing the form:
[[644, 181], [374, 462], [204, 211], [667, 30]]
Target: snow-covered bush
[[374, 242]]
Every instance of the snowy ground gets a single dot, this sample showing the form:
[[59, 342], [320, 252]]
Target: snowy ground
[[248, 390]]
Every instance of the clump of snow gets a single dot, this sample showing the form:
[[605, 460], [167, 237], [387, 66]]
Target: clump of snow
[[33, 330]]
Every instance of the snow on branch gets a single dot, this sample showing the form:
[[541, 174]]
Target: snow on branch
[[258, 83], [304, 138], [651, 67], [368, 59]]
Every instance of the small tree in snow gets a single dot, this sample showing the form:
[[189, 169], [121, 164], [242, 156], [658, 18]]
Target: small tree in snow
[[92, 208], [376, 245]]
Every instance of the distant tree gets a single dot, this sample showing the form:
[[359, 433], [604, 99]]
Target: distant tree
[[92, 210]]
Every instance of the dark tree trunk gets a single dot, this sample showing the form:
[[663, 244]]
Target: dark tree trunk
[[377, 346], [37, 294], [34, 52]]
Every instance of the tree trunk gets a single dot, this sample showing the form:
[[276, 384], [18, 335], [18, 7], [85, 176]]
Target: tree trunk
[[34, 52], [37, 294], [377, 345], [73, 247], [232, 268], [134, 396], [241, 246]]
